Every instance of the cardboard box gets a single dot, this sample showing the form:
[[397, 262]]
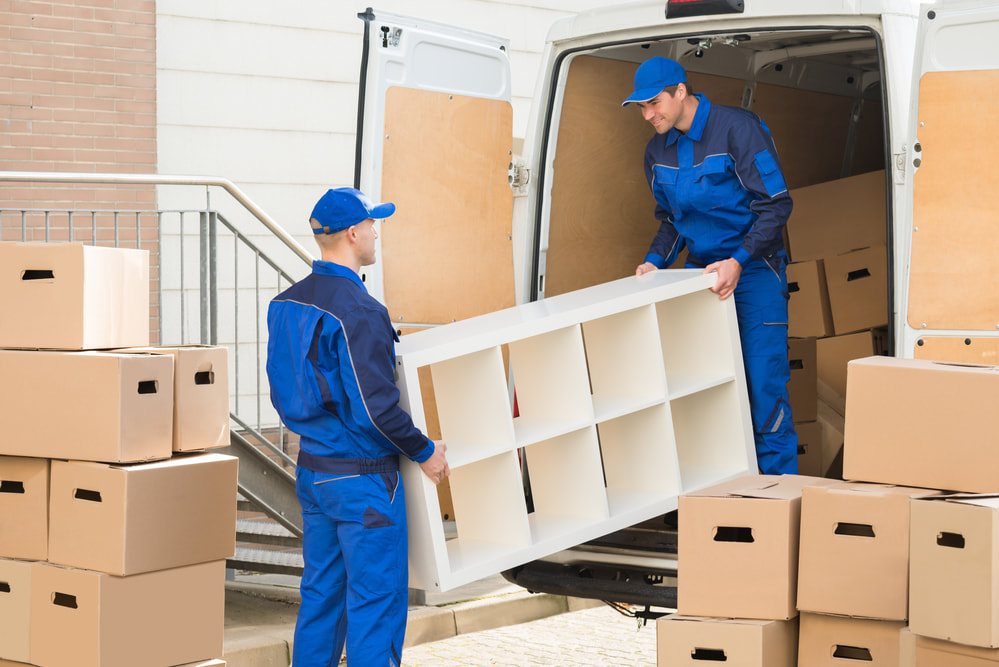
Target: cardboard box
[[739, 547], [810, 449], [687, 640], [954, 569], [858, 289], [71, 296], [808, 310], [906, 648], [840, 640], [94, 406], [200, 395], [130, 519], [853, 559], [838, 216], [24, 508], [831, 358], [832, 424], [922, 423], [15, 609], [158, 619], [802, 387], [938, 653]]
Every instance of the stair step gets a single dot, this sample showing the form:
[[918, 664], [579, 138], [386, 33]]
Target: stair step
[[244, 504], [265, 532], [262, 560]]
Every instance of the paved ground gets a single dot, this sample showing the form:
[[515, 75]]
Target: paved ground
[[597, 636], [491, 622]]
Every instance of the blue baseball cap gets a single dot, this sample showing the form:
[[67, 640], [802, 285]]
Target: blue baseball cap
[[340, 208], [653, 76]]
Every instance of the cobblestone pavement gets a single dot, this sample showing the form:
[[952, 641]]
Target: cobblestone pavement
[[597, 636]]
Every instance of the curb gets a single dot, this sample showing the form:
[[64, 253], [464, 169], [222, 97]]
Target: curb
[[269, 645]]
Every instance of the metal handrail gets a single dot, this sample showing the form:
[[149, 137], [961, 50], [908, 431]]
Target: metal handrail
[[161, 179], [264, 476]]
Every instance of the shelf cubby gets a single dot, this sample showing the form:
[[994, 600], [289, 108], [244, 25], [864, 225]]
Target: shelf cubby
[[696, 338], [473, 405], [709, 448], [564, 472], [551, 385], [624, 358], [639, 458], [492, 522]]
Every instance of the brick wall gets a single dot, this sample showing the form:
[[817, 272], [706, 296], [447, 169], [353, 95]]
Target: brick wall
[[78, 94]]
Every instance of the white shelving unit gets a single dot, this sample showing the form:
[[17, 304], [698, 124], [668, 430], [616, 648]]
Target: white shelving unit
[[627, 395]]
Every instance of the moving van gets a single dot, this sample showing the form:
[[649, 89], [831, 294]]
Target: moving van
[[882, 114]]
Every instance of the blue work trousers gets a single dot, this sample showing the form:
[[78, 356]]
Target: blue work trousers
[[355, 584], [761, 308]]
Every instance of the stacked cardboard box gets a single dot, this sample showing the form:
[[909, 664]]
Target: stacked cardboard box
[[738, 564], [115, 522], [899, 566], [932, 424], [838, 286]]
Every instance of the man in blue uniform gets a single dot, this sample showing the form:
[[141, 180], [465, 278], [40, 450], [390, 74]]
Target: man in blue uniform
[[720, 193], [331, 366]]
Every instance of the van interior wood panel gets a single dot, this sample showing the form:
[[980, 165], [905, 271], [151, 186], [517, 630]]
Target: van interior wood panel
[[955, 238], [958, 349], [809, 129], [602, 211], [447, 253]]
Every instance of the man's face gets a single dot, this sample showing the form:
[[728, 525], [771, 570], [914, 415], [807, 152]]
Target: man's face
[[366, 236], [663, 110]]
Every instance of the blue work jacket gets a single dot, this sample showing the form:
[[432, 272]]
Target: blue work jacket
[[331, 366], [719, 188]]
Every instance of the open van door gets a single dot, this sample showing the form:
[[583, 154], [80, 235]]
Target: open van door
[[434, 136], [951, 311]]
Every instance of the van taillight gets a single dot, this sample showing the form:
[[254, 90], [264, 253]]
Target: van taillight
[[677, 9]]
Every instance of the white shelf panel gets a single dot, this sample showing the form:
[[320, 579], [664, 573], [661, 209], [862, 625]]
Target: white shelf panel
[[606, 408], [529, 430], [546, 528], [460, 454], [687, 386], [627, 393], [634, 506], [556, 312]]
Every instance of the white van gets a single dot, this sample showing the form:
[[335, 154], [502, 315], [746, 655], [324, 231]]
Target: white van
[[882, 114]]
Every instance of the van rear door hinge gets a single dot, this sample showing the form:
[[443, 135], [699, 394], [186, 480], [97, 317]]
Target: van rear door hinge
[[898, 160], [519, 175]]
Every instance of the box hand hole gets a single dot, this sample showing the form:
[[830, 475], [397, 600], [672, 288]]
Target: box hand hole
[[88, 495], [852, 653], [11, 486], [734, 534], [37, 274], [854, 529], [64, 600], [148, 386], [858, 274], [793, 287], [204, 377], [708, 655], [951, 540], [4, 587]]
